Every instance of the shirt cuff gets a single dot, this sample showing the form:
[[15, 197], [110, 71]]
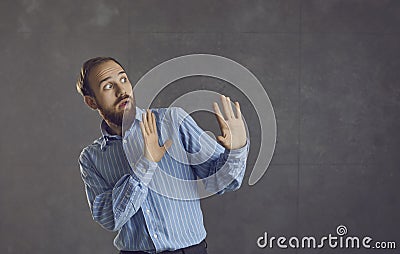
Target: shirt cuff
[[144, 169], [238, 153]]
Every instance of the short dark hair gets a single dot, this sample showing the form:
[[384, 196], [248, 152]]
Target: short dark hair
[[82, 85]]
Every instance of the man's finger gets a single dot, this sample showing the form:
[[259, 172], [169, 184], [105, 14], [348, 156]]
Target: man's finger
[[149, 121], [146, 127], [228, 101], [226, 108], [238, 112], [153, 118], [218, 114], [144, 133]]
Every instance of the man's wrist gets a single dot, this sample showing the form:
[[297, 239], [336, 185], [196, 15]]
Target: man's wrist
[[144, 169], [235, 153]]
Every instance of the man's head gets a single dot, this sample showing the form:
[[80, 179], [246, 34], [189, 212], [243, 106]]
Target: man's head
[[105, 87]]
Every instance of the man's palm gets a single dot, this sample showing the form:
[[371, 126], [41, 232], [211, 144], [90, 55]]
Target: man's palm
[[232, 127], [152, 150]]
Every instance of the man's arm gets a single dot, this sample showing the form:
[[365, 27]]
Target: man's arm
[[223, 169], [113, 206]]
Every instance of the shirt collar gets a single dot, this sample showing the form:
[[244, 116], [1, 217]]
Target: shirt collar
[[107, 136]]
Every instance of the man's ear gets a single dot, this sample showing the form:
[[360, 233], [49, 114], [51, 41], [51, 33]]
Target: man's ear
[[90, 101]]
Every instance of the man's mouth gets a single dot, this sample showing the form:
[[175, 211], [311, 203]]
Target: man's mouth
[[122, 104]]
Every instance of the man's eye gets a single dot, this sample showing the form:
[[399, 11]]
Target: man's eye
[[108, 86], [123, 80]]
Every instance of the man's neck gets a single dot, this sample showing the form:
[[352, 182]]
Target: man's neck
[[113, 128]]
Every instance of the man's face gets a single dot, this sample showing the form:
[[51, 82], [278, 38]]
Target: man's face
[[112, 91]]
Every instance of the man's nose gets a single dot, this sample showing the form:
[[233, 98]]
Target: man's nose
[[119, 90]]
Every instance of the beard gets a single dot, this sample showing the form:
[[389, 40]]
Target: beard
[[117, 117], [112, 116]]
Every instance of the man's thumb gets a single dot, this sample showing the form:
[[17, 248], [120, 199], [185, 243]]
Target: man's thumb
[[221, 139], [168, 144]]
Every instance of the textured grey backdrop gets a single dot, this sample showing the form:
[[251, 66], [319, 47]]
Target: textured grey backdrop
[[331, 69]]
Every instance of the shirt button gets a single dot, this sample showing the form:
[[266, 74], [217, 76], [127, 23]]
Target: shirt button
[[125, 141], [155, 235], [148, 211]]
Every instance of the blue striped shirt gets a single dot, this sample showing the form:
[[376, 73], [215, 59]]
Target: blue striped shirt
[[125, 190]]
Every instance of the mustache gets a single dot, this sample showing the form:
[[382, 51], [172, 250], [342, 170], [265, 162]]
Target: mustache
[[122, 98]]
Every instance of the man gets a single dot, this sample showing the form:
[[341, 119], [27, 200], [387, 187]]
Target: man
[[121, 189]]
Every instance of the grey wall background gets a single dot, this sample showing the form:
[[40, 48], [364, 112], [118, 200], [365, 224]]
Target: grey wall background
[[331, 69]]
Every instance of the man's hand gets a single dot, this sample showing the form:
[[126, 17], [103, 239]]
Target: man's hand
[[152, 150], [232, 127]]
